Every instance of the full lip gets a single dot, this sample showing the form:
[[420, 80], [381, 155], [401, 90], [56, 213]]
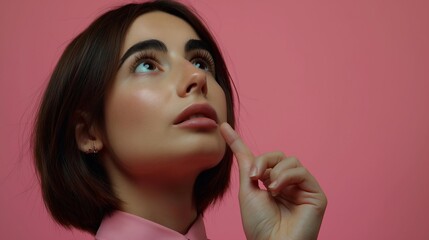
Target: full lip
[[203, 109]]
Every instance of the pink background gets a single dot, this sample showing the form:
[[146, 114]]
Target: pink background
[[343, 85]]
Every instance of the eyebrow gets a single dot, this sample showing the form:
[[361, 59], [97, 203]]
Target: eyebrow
[[194, 44], [144, 45]]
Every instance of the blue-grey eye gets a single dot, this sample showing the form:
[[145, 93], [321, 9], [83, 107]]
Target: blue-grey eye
[[146, 66], [201, 64]]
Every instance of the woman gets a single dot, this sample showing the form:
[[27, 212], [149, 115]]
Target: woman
[[131, 136]]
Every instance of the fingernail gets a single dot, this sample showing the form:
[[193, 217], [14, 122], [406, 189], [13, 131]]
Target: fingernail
[[253, 172], [273, 185]]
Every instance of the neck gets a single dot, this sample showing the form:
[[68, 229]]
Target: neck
[[168, 203]]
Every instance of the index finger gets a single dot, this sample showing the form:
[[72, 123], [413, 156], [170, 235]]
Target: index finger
[[238, 147]]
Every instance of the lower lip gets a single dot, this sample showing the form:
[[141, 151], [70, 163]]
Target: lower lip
[[198, 123]]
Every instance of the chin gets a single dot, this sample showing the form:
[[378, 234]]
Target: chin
[[203, 158]]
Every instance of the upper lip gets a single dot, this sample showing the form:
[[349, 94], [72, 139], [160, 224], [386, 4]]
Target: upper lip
[[198, 108]]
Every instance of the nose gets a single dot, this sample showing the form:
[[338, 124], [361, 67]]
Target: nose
[[194, 81]]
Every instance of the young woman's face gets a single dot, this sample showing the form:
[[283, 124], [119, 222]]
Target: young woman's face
[[163, 111]]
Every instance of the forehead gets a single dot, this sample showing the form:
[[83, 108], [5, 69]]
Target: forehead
[[167, 28]]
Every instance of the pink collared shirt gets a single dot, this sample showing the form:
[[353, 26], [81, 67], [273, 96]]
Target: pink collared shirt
[[125, 226]]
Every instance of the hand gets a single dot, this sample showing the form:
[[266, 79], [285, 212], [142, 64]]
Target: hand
[[293, 205]]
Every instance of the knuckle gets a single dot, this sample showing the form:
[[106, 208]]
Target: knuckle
[[304, 170], [322, 203], [279, 154], [294, 160], [274, 173]]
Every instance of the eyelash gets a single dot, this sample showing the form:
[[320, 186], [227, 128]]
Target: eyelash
[[205, 56], [142, 57], [151, 57]]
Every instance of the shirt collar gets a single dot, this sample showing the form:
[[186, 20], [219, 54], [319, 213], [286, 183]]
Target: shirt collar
[[121, 225]]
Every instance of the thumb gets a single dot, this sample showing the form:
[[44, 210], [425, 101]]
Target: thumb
[[241, 152]]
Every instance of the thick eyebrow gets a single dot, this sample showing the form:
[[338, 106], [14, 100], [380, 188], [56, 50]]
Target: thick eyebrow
[[144, 45], [194, 44]]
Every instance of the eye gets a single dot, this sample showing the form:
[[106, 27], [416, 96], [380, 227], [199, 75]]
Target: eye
[[201, 64], [203, 60], [145, 62], [146, 66]]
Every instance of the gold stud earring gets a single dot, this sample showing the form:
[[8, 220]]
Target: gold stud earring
[[94, 149]]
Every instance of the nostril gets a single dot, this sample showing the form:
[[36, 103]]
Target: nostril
[[189, 88]]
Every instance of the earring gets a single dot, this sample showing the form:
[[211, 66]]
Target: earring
[[93, 149]]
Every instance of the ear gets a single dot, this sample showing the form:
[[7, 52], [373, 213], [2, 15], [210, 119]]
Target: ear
[[87, 135]]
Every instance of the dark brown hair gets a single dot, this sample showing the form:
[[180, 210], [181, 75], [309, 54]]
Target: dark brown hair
[[75, 187]]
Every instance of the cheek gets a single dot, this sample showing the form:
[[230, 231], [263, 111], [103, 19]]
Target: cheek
[[130, 116], [127, 109]]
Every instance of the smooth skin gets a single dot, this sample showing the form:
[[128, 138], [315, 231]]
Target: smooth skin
[[293, 206], [155, 181], [151, 162]]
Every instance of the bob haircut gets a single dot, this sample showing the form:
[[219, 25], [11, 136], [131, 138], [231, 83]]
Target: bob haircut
[[75, 186]]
